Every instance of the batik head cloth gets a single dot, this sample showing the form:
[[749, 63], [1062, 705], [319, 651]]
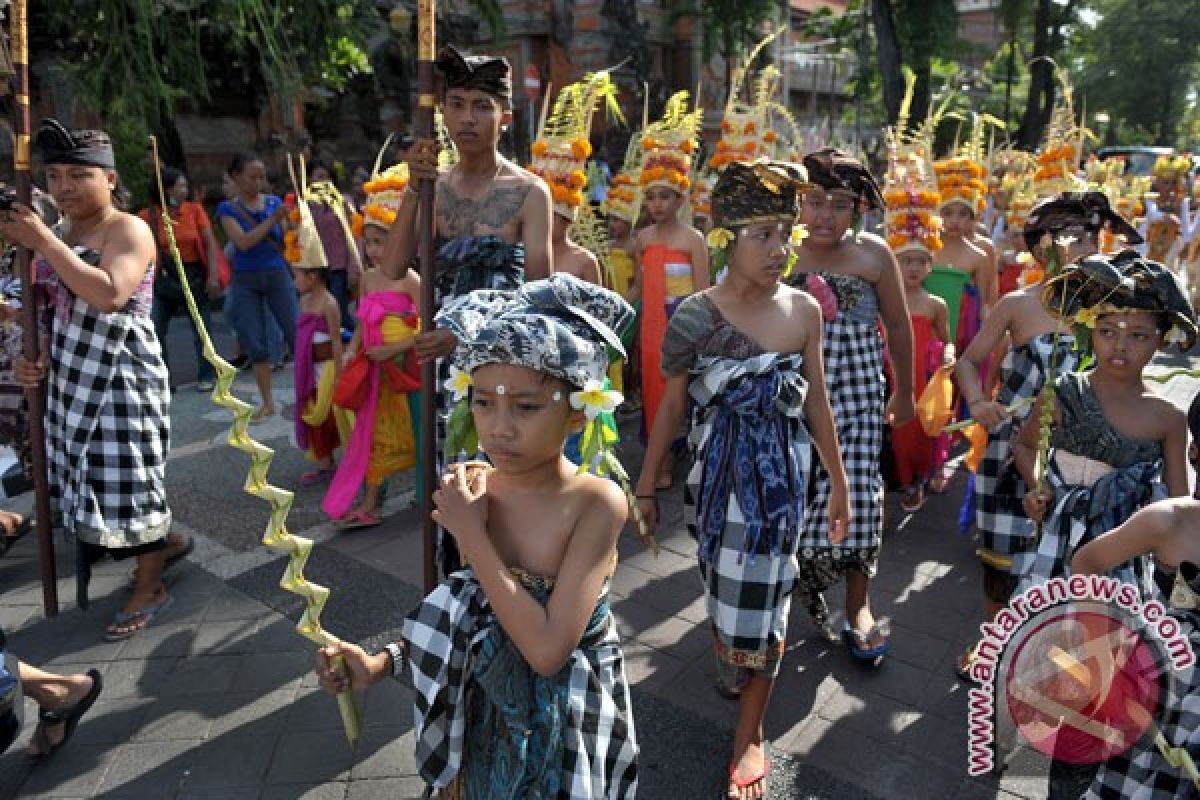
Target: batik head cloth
[[834, 170], [560, 326], [765, 191], [84, 148], [490, 74], [1107, 284], [1089, 209]]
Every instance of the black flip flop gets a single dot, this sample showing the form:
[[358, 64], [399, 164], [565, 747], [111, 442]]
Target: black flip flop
[[67, 717]]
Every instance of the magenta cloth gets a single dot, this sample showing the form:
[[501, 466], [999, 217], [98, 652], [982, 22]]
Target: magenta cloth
[[307, 326], [352, 471]]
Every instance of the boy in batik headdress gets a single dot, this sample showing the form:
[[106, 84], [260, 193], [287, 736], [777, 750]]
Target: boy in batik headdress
[[492, 216], [519, 678], [747, 353], [1057, 231]]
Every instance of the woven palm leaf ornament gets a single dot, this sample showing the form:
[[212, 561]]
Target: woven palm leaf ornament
[[563, 146], [257, 484]]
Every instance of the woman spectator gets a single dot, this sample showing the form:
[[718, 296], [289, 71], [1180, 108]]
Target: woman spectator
[[262, 282], [107, 416], [345, 268], [198, 251]]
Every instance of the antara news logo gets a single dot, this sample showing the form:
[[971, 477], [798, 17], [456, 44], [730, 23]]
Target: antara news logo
[[1077, 667]]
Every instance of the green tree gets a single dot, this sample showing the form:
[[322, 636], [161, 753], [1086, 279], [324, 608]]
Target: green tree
[[1141, 61], [1051, 23], [913, 33], [730, 27], [139, 61]]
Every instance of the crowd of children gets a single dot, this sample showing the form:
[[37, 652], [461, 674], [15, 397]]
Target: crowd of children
[[784, 329]]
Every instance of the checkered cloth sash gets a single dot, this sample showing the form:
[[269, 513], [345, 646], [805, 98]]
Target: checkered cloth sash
[[854, 379], [1142, 772], [108, 426], [748, 580], [1081, 513], [1003, 527], [444, 635]]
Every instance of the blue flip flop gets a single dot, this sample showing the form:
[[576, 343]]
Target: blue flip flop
[[121, 619], [856, 640]]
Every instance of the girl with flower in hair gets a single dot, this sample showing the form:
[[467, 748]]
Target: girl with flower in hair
[[515, 661], [745, 356]]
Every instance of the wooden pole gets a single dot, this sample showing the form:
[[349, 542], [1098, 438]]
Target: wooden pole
[[423, 124], [36, 397]]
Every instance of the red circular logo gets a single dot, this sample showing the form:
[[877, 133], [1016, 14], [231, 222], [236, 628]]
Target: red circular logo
[[1082, 686]]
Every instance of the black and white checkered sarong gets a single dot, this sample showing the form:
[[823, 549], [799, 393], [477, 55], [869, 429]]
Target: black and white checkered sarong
[[443, 636], [1003, 527], [747, 595], [1143, 772], [854, 379], [108, 424], [1083, 512]]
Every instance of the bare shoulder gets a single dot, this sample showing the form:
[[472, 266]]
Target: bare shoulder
[[129, 225], [1170, 416], [693, 236], [877, 252], [800, 304], [603, 500], [516, 178], [873, 243]]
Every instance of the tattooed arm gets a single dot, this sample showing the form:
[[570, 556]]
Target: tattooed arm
[[535, 231]]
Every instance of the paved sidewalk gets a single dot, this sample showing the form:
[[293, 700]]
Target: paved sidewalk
[[217, 700]]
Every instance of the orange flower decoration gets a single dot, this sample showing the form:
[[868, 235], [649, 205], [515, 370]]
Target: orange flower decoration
[[581, 148]]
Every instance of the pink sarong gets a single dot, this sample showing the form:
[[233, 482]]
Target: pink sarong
[[352, 470]]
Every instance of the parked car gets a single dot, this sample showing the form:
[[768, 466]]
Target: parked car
[[1139, 159]]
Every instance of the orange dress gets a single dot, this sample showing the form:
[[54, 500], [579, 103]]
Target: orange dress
[[918, 455], [666, 281]]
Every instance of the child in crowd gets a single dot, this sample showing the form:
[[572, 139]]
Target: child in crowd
[[1167, 531], [318, 360], [388, 413], [1042, 348], [919, 457], [517, 667], [1114, 441], [913, 232], [318, 348], [748, 354], [672, 256], [863, 276]]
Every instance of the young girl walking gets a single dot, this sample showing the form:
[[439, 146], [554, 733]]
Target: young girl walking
[[1057, 231], [383, 442], [318, 353], [748, 354], [515, 659], [672, 261], [865, 280], [1114, 445]]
